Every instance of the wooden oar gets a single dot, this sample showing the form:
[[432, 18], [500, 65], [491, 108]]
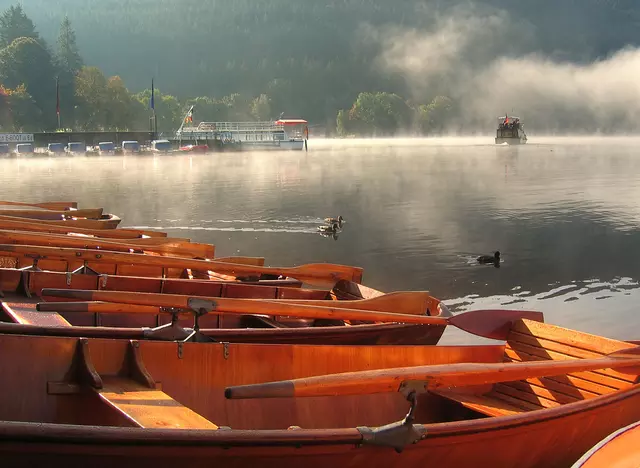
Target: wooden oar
[[60, 240], [412, 303], [315, 272], [98, 307], [43, 214], [61, 205], [491, 324], [433, 377], [61, 227]]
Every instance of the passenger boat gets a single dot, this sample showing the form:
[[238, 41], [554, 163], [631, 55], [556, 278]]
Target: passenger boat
[[619, 450], [24, 149], [161, 146], [130, 147], [510, 130], [106, 221], [55, 149], [101, 402], [76, 148], [281, 134], [106, 148]]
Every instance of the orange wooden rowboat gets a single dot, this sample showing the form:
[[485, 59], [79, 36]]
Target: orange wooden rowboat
[[21, 224], [318, 273], [106, 221], [98, 402], [44, 214], [99, 320], [59, 205], [619, 450]]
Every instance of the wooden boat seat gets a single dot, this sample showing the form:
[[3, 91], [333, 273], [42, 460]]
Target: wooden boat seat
[[149, 408], [26, 314], [535, 341]]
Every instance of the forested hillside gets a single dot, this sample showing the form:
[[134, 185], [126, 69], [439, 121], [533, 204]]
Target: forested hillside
[[312, 58]]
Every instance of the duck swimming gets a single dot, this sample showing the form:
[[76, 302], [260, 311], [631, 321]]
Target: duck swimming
[[485, 259], [333, 227], [339, 220]]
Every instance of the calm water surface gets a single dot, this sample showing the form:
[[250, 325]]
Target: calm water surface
[[564, 212]]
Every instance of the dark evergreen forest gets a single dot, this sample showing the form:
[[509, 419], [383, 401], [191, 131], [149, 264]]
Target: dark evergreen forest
[[254, 59]]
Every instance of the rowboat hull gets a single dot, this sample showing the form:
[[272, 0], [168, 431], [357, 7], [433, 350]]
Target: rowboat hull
[[60, 426], [107, 221], [619, 450]]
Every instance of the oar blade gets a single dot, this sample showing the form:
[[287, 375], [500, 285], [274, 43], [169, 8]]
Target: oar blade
[[492, 323]]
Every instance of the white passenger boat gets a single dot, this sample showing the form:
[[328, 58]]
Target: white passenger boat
[[281, 134]]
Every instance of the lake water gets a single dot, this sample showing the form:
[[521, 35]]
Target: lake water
[[564, 213]]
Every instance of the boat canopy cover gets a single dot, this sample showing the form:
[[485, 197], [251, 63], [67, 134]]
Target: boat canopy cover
[[24, 148], [290, 121], [76, 146], [56, 147], [106, 146], [130, 144]]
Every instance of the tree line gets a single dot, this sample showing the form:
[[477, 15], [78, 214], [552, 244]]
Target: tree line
[[249, 59]]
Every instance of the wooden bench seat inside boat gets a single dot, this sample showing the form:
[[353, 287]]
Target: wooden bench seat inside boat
[[149, 408], [536, 341]]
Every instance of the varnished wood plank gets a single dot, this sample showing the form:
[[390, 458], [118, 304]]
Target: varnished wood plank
[[525, 396], [569, 337], [556, 356], [582, 379], [149, 408], [515, 402], [481, 403]]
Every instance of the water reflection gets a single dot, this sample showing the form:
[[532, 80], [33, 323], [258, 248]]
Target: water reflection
[[563, 212]]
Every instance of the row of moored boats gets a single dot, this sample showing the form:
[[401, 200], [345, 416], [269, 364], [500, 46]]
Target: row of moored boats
[[102, 148], [122, 346]]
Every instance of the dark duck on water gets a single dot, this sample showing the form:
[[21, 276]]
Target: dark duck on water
[[490, 259]]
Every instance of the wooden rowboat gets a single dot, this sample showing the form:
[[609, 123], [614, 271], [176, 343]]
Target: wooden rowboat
[[110, 263], [106, 221], [619, 450], [21, 224], [114, 320], [58, 205], [50, 215], [98, 402]]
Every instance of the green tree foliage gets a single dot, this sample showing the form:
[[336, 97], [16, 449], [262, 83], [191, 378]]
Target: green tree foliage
[[261, 108], [91, 95], [68, 55], [380, 113], [22, 113], [68, 62], [26, 62], [15, 24]]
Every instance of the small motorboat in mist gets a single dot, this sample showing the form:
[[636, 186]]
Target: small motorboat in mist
[[510, 130]]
